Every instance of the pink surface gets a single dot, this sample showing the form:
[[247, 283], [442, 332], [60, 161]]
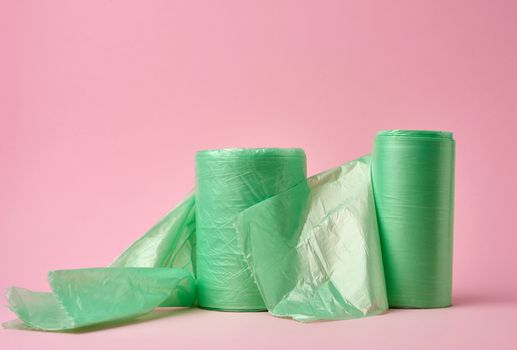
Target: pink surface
[[103, 104]]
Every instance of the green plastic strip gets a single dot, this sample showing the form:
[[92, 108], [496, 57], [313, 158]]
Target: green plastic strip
[[86, 297], [228, 182], [413, 180], [314, 250]]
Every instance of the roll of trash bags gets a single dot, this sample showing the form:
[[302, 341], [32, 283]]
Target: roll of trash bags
[[85, 297], [314, 250], [229, 181], [413, 182]]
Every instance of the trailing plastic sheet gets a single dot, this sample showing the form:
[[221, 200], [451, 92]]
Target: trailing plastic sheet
[[169, 243], [86, 297], [413, 179], [227, 182], [139, 280], [314, 250]]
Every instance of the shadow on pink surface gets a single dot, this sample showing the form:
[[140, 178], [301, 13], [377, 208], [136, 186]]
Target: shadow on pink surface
[[467, 299]]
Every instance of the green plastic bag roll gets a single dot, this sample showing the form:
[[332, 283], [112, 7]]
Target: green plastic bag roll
[[413, 180], [229, 181], [85, 297], [314, 250]]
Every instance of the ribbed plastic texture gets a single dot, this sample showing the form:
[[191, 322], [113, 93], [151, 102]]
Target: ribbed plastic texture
[[413, 180], [314, 250], [229, 181]]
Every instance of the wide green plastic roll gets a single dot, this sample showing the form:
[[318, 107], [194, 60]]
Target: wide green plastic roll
[[229, 181], [413, 180], [314, 250]]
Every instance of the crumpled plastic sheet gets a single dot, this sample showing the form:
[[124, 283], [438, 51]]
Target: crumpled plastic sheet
[[85, 297], [314, 250]]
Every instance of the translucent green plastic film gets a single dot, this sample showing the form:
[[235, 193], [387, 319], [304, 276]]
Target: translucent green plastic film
[[86, 297], [156, 270], [314, 250], [169, 243], [413, 180], [227, 182]]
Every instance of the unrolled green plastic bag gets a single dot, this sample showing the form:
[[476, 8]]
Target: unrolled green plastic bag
[[156, 270], [314, 250]]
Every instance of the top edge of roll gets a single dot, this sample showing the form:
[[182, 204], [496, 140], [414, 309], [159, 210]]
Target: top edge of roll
[[245, 152], [434, 134]]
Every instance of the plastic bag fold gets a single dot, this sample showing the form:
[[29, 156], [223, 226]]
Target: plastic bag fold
[[314, 250]]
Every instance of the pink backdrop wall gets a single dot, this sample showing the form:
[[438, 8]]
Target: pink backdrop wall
[[103, 104]]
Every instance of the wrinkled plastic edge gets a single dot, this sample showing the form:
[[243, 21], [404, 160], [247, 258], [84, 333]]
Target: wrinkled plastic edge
[[308, 319], [16, 323], [430, 134], [244, 152], [21, 323]]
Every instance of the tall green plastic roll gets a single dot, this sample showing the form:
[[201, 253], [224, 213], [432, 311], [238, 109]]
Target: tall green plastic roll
[[227, 182], [413, 181]]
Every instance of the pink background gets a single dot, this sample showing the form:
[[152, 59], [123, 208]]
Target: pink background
[[103, 104]]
